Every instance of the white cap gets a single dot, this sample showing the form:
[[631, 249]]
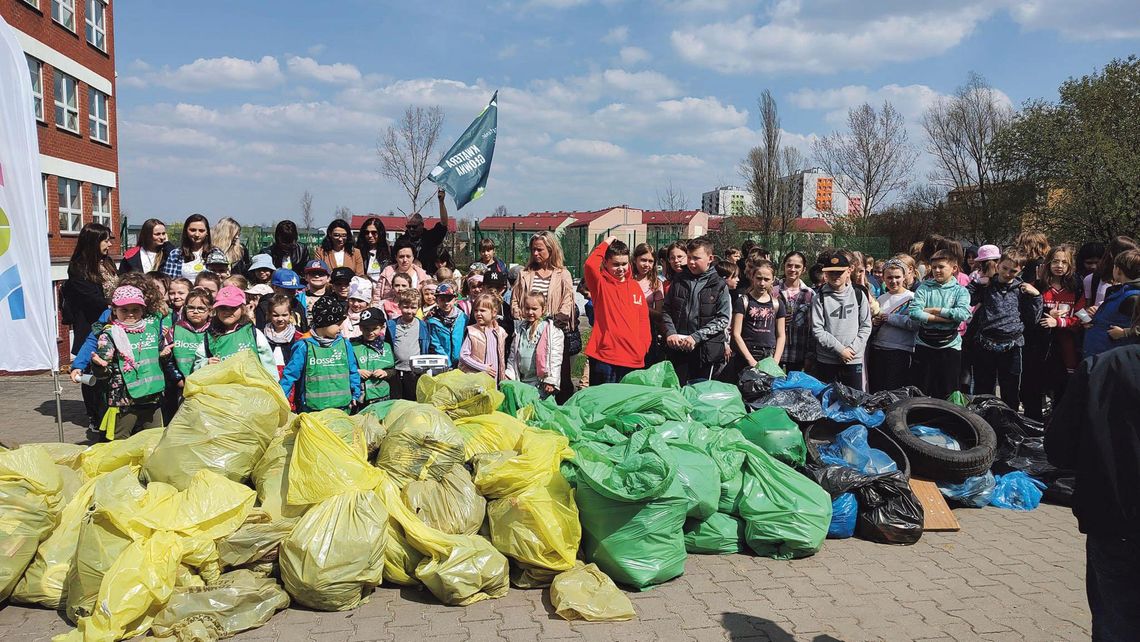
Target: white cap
[[360, 288]]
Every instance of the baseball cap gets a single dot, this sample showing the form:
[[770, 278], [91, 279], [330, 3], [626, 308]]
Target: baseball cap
[[230, 296], [359, 288], [259, 289], [372, 316], [261, 262], [496, 280], [286, 278], [128, 294], [988, 253], [835, 262], [216, 257], [342, 274], [445, 289], [316, 265]]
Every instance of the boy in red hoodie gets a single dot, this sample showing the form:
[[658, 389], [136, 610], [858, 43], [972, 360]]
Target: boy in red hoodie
[[621, 336]]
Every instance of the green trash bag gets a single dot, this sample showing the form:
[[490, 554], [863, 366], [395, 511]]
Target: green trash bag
[[236, 602], [658, 375], [786, 514], [720, 534], [548, 415], [771, 429], [958, 399], [517, 395], [715, 403], [770, 366], [379, 410], [632, 508], [699, 476], [597, 403]]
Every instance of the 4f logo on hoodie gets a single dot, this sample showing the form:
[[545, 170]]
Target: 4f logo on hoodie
[[843, 311]]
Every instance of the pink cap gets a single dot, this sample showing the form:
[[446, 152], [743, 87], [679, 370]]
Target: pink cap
[[230, 296], [128, 294], [988, 253]]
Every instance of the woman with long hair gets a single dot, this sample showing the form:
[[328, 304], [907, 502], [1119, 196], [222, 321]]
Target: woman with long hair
[[91, 281], [546, 273], [226, 236], [188, 259], [643, 269], [338, 249], [1035, 245], [150, 251], [286, 251], [372, 241], [796, 297]]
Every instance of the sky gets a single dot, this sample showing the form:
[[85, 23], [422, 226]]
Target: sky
[[237, 108]]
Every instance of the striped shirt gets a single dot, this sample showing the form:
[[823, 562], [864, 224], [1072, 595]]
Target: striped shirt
[[540, 285]]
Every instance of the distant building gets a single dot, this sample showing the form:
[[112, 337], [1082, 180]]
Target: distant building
[[816, 194], [727, 200]]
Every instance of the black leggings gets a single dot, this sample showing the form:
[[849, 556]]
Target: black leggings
[[403, 385], [936, 370], [888, 370]]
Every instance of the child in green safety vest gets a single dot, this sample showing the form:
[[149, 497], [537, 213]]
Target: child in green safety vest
[[231, 332], [323, 366], [375, 360], [128, 352], [187, 337]]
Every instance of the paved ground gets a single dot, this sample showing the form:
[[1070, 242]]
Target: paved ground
[[1005, 576]]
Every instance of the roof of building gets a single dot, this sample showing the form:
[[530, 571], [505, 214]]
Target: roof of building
[[398, 223], [535, 221], [668, 217]]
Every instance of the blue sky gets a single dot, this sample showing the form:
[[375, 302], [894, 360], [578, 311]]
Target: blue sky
[[236, 108]]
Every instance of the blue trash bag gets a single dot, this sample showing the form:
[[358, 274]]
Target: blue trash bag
[[850, 449], [1017, 491], [936, 437], [975, 492], [844, 513], [841, 412], [798, 379]]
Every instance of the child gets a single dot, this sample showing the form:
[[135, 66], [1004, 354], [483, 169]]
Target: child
[[408, 337], [253, 308], [472, 288], [230, 332], [341, 280], [697, 310], [317, 276], [427, 298], [217, 262], [985, 262], [940, 304], [536, 354], [1006, 306], [446, 325], [1120, 302], [643, 269], [894, 331], [236, 280], [286, 283], [261, 269], [319, 364], [495, 284], [796, 299], [485, 348], [487, 256], [129, 349], [621, 336], [189, 331], [840, 323], [730, 272], [374, 359], [1051, 352], [359, 296], [281, 329], [208, 280], [401, 282], [758, 320], [176, 297]]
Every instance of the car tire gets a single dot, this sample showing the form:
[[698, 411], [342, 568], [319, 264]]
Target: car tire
[[974, 435]]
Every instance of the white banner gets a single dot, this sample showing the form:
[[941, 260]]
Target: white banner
[[27, 310]]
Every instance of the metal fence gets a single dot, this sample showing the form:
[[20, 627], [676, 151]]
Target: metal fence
[[513, 245]]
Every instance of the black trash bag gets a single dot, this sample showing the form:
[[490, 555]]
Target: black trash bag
[[801, 404], [754, 385], [1060, 490], [1021, 446], [1005, 420], [887, 398], [889, 512], [846, 395]]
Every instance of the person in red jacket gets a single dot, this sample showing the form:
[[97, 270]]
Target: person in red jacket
[[621, 335]]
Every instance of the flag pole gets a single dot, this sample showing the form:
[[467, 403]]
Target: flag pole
[[58, 404]]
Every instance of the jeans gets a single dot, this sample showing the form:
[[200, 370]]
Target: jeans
[[1113, 564], [602, 372], [1001, 368], [889, 369], [850, 375]]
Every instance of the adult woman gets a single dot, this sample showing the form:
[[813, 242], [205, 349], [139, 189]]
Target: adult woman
[[338, 250], [150, 251], [372, 241], [546, 273], [404, 264], [796, 297], [286, 251], [227, 238], [186, 261], [86, 295]]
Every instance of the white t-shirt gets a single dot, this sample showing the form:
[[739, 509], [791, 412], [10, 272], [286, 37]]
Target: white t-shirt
[[192, 265], [373, 269], [146, 257], [338, 258]]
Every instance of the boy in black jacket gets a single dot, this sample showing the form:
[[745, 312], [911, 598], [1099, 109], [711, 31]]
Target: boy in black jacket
[[697, 312]]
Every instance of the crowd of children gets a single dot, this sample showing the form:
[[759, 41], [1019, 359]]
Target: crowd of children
[[1015, 321]]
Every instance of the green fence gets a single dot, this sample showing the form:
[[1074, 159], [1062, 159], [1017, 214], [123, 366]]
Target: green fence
[[809, 243], [513, 245]]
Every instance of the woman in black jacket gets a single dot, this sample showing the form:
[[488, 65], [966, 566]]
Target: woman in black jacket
[[86, 294], [286, 251], [150, 251]]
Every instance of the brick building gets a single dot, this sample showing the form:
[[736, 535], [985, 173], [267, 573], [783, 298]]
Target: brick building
[[71, 58]]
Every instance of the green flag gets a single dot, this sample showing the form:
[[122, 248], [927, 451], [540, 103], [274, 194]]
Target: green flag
[[464, 168]]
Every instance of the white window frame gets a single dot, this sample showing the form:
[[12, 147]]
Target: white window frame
[[44, 177], [101, 204], [34, 3], [36, 70], [60, 9], [97, 24], [99, 124], [61, 81], [70, 218]]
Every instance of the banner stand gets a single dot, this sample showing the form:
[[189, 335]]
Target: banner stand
[[58, 403]]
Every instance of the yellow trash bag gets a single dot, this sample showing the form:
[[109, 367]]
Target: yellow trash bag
[[30, 496], [351, 427], [61, 453], [113, 455], [396, 410], [586, 593], [538, 458], [232, 411], [484, 434], [255, 542], [421, 444], [270, 480], [538, 527], [238, 601], [451, 504], [460, 394]]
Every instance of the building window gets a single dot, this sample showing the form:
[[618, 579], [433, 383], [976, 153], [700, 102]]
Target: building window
[[63, 12], [45, 177], [97, 24], [66, 102], [101, 205], [70, 205], [34, 3], [97, 116], [36, 68]]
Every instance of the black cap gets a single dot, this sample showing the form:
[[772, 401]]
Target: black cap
[[372, 316], [496, 280], [835, 262], [342, 274]]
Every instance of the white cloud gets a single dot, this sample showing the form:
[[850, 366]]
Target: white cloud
[[616, 36], [675, 161], [649, 85], [207, 74], [910, 100], [1088, 20], [309, 69], [633, 55], [588, 148], [508, 52]]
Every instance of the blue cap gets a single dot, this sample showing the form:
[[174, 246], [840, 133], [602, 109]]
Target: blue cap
[[286, 278], [315, 265], [261, 262], [445, 289]]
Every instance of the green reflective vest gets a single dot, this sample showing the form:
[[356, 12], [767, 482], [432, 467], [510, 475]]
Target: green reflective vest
[[228, 345], [186, 343], [147, 377], [326, 376], [369, 359]]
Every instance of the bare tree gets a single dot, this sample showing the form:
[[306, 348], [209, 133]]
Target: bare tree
[[407, 151], [500, 210], [869, 161], [788, 197], [672, 199], [959, 131], [342, 213], [307, 210]]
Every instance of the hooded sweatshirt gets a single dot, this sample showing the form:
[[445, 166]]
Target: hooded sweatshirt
[[950, 297], [838, 321], [1003, 312], [621, 335]]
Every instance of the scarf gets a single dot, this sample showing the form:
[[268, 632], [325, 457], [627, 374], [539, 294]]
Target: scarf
[[119, 331], [377, 345], [447, 321], [323, 342], [284, 336]]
